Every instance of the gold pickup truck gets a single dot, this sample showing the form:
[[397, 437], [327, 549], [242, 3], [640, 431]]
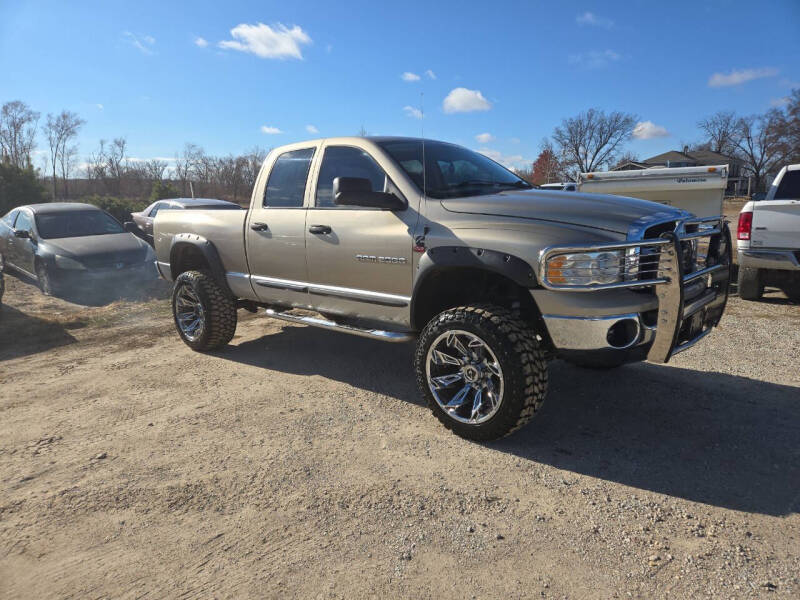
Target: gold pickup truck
[[402, 239]]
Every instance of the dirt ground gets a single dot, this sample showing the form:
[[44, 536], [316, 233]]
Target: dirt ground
[[300, 463]]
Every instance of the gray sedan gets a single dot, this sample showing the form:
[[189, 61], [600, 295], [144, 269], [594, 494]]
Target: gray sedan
[[69, 247]]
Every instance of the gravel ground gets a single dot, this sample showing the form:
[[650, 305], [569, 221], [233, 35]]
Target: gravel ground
[[301, 463]]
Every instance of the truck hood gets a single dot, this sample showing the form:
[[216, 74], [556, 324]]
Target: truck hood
[[599, 211]]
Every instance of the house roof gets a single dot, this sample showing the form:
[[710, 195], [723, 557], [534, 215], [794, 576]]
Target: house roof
[[708, 157], [631, 163], [671, 156], [700, 158]]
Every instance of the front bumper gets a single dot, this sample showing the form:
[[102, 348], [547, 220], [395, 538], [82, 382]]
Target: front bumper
[[689, 305], [81, 279], [762, 258]]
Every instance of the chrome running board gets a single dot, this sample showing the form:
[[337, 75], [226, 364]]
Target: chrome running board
[[375, 334]]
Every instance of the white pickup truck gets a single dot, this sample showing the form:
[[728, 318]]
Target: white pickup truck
[[768, 238]]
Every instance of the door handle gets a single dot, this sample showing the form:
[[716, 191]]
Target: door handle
[[259, 226], [320, 229]]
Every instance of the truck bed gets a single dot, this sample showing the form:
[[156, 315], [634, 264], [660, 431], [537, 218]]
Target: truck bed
[[224, 227]]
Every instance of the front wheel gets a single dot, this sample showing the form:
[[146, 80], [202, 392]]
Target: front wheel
[[481, 371], [204, 312]]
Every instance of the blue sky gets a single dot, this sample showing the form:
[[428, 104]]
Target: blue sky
[[139, 70]]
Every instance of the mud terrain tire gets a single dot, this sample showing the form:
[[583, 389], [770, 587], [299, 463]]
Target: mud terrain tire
[[522, 364], [216, 307]]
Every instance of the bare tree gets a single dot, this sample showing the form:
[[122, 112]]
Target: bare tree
[[60, 131], [763, 144], [18, 132], [154, 169], [722, 132], [591, 139], [96, 165], [117, 161], [626, 157]]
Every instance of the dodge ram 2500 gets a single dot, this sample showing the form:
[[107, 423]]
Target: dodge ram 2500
[[398, 239]]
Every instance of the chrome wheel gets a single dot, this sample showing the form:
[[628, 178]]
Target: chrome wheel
[[464, 376], [189, 313]]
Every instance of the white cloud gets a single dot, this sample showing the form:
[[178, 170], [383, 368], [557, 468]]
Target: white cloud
[[142, 44], [408, 76], [311, 129], [647, 130], [430, 74], [200, 42], [270, 130], [266, 42], [594, 59], [515, 140], [99, 106], [463, 100], [510, 161], [412, 112], [592, 19], [778, 102], [484, 138], [738, 77]]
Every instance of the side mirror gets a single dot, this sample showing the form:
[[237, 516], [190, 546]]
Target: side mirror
[[357, 191], [22, 233], [130, 227]]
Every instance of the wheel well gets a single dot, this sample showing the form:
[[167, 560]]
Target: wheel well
[[186, 257], [457, 286]]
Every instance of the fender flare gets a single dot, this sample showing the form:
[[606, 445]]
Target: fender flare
[[442, 258], [206, 248]]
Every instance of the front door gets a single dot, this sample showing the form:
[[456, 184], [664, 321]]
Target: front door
[[359, 259], [275, 231], [23, 250]]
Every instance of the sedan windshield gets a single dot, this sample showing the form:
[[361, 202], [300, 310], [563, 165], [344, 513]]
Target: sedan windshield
[[451, 171], [76, 224]]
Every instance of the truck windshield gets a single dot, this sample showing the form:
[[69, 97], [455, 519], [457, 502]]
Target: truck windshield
[[451, 171]]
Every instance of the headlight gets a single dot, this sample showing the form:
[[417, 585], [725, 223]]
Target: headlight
[[585, 268], [63, 262]]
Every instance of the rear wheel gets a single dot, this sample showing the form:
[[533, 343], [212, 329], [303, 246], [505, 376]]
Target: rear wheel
[[482, 373], [750, 284], [204, 312]]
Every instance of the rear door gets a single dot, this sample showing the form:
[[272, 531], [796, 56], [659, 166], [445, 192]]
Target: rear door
[[275, 229], [776, 220]]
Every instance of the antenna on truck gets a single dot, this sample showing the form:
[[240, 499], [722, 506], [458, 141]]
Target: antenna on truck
[[422, 133]]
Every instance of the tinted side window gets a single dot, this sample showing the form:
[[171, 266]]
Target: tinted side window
[[343, 161], [287, 180], [155, 209], [10, 217], [789, 187], [24, 222]]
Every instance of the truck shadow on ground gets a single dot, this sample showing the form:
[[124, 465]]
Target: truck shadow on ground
[[714, 438], [23, 335]]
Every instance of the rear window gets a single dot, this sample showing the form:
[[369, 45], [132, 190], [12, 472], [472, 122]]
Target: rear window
[[789, 187], [287, 180]]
